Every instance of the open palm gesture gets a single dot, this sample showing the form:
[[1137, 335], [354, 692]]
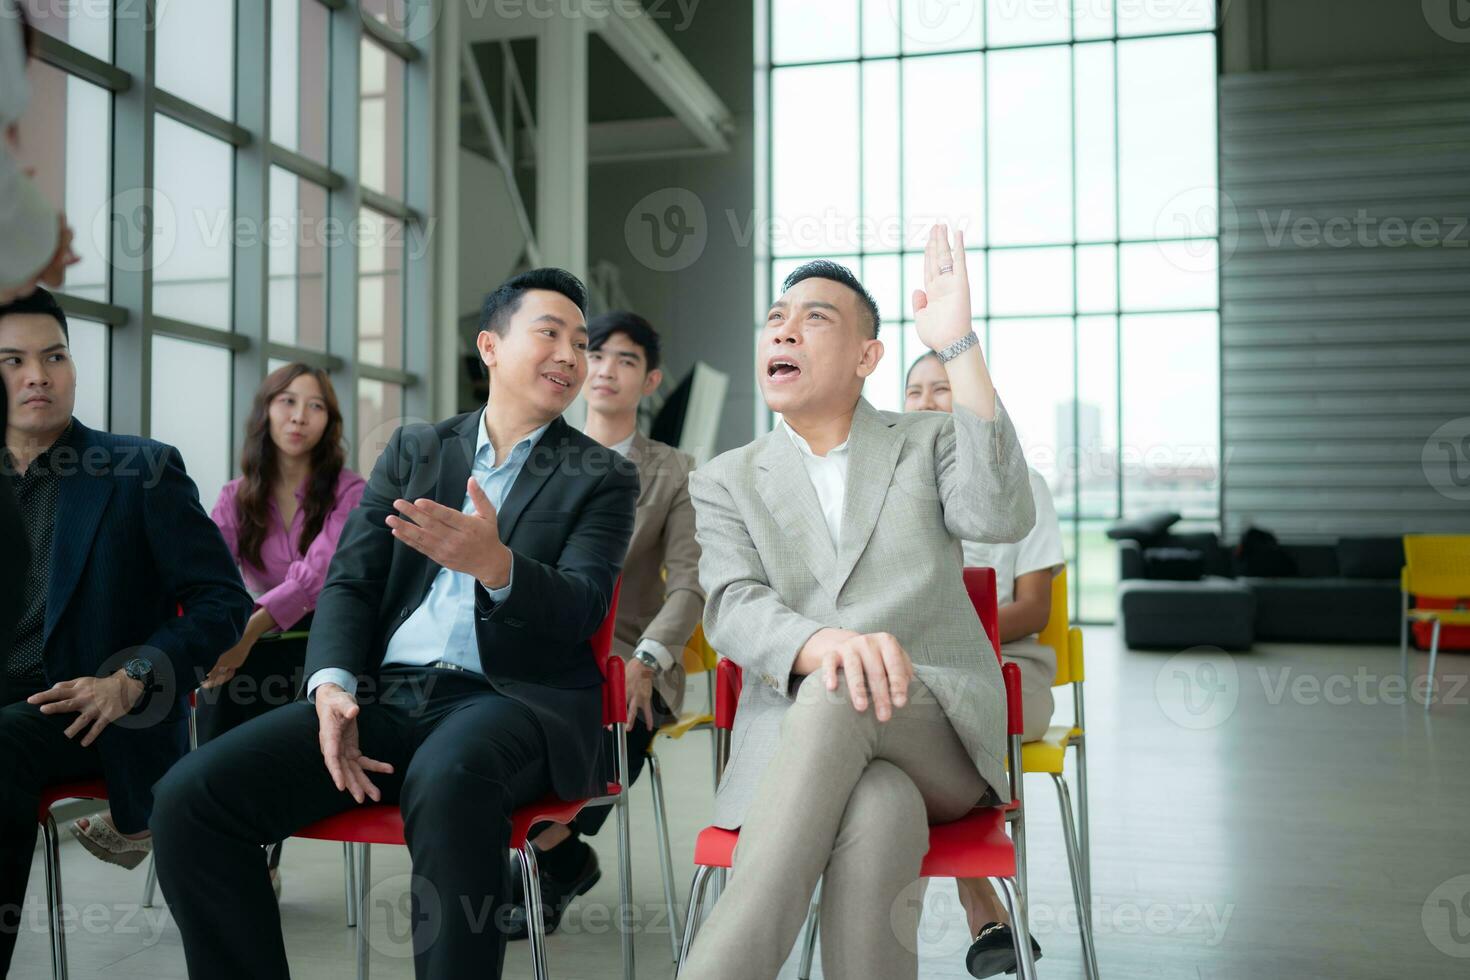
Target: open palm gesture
[[942, 307]]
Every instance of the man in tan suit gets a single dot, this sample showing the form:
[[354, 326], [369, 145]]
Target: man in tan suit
[[830, 552], [661, 599]]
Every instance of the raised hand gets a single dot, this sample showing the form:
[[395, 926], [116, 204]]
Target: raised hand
[[942, 307], [460, 542]]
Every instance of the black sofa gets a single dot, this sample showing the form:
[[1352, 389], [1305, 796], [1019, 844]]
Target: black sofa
[[1181, 590]]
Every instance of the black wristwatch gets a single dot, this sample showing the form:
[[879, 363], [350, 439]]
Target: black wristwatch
[[141, 670]]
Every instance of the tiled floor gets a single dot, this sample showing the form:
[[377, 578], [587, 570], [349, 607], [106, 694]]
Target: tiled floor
[[1284, 813]]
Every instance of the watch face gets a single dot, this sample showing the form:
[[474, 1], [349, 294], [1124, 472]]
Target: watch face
[[138, 668]]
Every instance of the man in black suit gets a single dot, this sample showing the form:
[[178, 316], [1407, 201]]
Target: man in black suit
[[97, 677], [17, 550], [464, 593]]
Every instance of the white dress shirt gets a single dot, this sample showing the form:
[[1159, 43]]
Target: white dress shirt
[[443, 626], [829, 479]]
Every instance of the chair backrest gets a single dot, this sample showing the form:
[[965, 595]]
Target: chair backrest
[[980, 584], [1065, 639], [614, 696], [1437, 565], [699, 656]]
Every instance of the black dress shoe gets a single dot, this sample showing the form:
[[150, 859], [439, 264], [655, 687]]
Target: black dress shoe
[[994, 951], [556, 893]]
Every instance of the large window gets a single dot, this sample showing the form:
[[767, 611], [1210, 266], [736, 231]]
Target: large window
[[230, 215], [1075, 145]]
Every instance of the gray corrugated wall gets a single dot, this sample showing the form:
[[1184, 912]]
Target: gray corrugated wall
[[1339, 361]]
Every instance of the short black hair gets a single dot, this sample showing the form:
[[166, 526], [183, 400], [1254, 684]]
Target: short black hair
[[920, 360], [637, 329], [40, 302], [505, 299], [835, 271]]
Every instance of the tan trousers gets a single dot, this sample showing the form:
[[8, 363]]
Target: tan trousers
[[848, 800]]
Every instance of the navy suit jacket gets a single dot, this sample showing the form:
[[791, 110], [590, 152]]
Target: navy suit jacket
[[567, 518], [16, 554], [137, 570]]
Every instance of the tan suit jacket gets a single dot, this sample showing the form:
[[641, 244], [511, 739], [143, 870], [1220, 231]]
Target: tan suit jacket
[[917, 484], [665, 609]]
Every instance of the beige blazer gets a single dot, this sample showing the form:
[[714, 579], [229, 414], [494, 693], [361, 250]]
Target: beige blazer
[[917, 484], [665, 609]]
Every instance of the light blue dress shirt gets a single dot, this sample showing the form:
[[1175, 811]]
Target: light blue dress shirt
[[443, 626]]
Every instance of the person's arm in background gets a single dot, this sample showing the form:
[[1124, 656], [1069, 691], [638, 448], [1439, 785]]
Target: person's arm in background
[[1039, 557], [298, 592], [1030, 610], [35, 244], [194, 566], [683, 596], [284, 606]]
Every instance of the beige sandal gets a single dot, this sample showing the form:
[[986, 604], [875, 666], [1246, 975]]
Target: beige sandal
[[102, 839]]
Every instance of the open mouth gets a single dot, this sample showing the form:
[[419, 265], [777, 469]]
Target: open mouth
[[559, 380], [782, 369]]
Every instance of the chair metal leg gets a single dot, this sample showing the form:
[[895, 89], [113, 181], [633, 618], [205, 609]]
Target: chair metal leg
[[150, 884], [809, 939], [1079, 894], [1404, 636], [1433, 655], [1021, 930], [349, 883], [665, 853], [702, 877], [625, 863], [53, 898], [535, 917], [1084, 832], [364, 913]]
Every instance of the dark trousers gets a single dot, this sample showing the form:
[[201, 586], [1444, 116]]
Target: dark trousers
[[640, 736], [464, 757], [269, 678], [34, 753]]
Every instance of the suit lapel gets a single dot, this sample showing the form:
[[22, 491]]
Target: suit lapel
[[544, 460], [788, 494], [79, 506], [872, 455]]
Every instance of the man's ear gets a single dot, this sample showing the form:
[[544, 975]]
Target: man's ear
[[486, 342], [872, 354], [652, 380]]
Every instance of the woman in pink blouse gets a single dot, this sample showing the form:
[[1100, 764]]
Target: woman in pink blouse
[[281, 520]]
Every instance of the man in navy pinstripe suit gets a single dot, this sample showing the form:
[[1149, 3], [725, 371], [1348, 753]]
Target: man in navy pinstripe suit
[[129, 589]]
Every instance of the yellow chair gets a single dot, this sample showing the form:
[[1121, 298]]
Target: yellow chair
[[1049, 755], [699, 658], [1436, 566]]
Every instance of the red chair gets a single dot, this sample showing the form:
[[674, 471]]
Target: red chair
[[382, 823], [975, 846], [92, 789]]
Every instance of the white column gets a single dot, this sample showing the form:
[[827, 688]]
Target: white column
[[561, 151], [446, 80]]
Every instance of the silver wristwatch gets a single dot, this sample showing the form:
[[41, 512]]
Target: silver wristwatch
[[648, 660], [957, 348]]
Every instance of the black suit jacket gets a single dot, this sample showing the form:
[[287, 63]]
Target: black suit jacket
[[15, 549], [132, 546], [567, 518]]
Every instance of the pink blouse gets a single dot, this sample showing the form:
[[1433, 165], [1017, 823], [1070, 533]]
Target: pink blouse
[[288, 583]]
